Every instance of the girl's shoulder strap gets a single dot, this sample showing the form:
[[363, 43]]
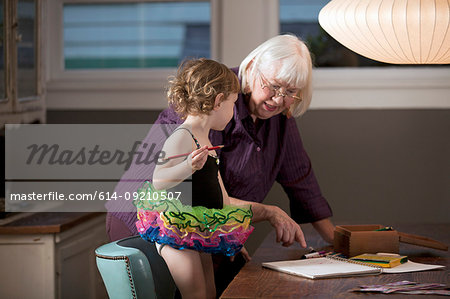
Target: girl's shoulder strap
[[193, 137]]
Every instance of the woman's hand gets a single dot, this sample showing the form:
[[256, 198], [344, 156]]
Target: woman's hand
[[287, 229], [197, 158], [245, 255]]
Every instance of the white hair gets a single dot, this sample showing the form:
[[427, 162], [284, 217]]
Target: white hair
[[295, 67]]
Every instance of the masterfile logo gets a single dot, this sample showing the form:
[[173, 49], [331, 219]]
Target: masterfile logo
[[75, 168]]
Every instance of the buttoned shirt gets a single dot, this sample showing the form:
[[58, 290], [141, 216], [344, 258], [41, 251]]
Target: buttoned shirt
[[256, 154]]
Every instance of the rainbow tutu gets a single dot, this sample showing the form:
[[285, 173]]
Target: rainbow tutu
[[181, 226]]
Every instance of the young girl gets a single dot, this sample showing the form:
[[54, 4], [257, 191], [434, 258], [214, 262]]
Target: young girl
[[204, 93]]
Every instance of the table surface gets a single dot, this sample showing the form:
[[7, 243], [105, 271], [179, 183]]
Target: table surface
[[254, 281]]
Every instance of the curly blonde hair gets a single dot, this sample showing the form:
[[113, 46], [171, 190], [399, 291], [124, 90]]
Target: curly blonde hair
[[197, 83]]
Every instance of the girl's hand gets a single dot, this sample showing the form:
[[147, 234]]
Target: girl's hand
[[197, 158]]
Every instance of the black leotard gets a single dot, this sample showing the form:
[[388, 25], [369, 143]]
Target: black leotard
[[206, 189]]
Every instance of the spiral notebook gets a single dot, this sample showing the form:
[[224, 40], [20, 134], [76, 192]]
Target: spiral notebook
[[329, 267]]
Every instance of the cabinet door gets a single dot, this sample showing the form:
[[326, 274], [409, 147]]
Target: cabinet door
[[76, 270], [27, 266], [27, 52], [5, 57], [22, 89], [2, 52]]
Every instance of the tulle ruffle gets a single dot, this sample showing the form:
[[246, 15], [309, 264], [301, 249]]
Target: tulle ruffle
[[184, 227]]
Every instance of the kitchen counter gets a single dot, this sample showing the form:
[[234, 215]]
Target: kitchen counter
[[43, 223]]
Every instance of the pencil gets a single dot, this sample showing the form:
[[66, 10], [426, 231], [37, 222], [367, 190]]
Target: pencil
[[187, 154]]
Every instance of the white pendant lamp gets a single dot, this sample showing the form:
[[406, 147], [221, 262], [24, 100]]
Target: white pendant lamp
[[393, 31]]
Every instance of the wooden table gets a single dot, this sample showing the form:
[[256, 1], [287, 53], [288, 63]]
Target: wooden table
[[254, 281]]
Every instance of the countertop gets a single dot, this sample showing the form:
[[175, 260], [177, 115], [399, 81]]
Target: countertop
[[43, 223]]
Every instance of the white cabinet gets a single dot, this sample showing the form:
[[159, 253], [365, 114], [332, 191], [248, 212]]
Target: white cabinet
[[53, 265]]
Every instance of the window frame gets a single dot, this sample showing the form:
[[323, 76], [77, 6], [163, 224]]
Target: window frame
[[56, 66], [133, 89], [66, 86]]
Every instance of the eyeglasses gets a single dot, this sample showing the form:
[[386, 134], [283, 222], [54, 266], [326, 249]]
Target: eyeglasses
[[275, 91]]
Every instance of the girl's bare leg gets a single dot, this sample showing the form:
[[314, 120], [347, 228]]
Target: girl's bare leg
[[186, 268], [208, 271]]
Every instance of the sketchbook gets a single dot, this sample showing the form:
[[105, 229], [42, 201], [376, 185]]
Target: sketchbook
[[329, 267]]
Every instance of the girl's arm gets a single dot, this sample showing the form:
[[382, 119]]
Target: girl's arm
[[174, 171]]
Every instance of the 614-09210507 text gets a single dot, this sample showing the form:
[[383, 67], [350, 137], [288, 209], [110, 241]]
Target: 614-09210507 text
[[102, 195]]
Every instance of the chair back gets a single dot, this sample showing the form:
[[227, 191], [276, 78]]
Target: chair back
[[132, 268]]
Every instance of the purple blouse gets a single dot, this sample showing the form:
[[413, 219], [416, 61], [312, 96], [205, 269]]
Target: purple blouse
[[255, 155]]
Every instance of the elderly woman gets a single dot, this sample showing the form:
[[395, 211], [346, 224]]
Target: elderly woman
[[262, 145]]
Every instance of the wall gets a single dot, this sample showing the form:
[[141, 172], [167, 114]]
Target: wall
[[382, 165]]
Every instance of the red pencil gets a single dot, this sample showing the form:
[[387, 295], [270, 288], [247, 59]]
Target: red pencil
[[187, 154]]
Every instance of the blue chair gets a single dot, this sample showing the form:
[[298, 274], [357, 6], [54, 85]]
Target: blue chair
[[132, 268]]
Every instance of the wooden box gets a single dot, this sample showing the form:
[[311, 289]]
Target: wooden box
[[352, 240]]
